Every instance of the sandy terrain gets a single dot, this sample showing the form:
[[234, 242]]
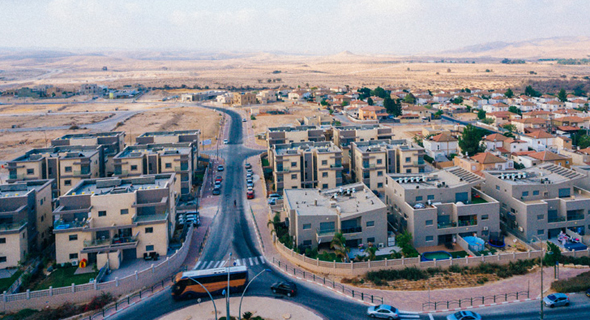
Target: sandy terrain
[[55, 108], [34, 121], [184, 118], [14, 144]]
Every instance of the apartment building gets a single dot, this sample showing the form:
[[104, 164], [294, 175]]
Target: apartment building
[[344, 135], [410, 159], [372, 160], [292, 134], [483, 161], [115, 219], [243, 98], [66, 165], [157, 158], [440, 205], [540, 201], [180, 136], [316, 215], [111, 143], [443, 144], [306, 165], [25, 219]]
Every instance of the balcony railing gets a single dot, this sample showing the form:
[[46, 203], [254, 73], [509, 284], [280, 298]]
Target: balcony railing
[[181, 168], [575, 217], [97, 243], [352, 230], [445, 225], [19, 176], [13, 226], [283, 169], [64, 225], [323, 233], [555, 219], [419, 163], [369, 165], [150, 217], [336, 165], [81, 173], [466, 223], [110, 242]]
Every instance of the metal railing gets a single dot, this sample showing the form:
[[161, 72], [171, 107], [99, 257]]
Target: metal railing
[[467, 302], [358, 294], [445, 225], [556, 219], [13, 225], [352, 230]]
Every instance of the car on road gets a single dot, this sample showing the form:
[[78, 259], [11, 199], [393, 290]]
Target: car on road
[[287, 288], [248, 165], [218, 178], [217, 184], [216, 191], [248, 175], [464, 315], [249, 183], [250, 171], [250, 194], [219, 168], [556, 300], [383, 311], [225, 141], [275, 195], [588, 293], [244, 120]]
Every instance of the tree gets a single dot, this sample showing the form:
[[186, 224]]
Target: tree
[[509, 94], [364, 93], [514, 109], [487, 120], [481, 114], [469, 142], [339, 245], [529, 91], [510, 127], [409, 98], [438, 114], [457, 100], [404, 241], [379, 92], [370, 101], [345, 103], [372, 252], [393, 107], [324, 102], [562, 95], [584, 142]]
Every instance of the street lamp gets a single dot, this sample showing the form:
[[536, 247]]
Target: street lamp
[[227, 294], [542, 256], [210, 296], [242, 298]]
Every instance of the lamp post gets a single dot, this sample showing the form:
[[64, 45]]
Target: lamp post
[[242, 298], [227, 294], [210, 296], [542, 256]]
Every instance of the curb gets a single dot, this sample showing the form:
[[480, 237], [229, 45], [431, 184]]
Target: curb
[[479, 306]]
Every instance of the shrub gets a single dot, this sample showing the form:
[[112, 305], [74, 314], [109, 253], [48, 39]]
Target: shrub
[[455, 269], [578, 283], [247, 315]]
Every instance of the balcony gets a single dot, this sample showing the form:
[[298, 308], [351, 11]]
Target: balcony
[[148, 218], [336, 165], [82, 173], [419, 163], [110, 244], [325, 235], [352, 230], [122, 173], [21, 176], [12, 226], [575, 217], [65, 225], [181, 168], [369, 166], [466, 223], [445, 225], [283, 169], [555, 219]]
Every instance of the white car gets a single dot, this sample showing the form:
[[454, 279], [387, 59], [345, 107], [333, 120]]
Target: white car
[[225, 141], [383, 311]]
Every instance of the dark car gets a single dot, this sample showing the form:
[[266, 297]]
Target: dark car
[[588, 293], [248, 165], [219, 168], [287, 288], [216, 191]]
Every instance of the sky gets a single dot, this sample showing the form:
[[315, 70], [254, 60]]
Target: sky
[[303, 26]]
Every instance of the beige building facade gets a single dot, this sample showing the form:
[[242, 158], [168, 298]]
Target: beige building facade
[[372, 160], [344, 135]]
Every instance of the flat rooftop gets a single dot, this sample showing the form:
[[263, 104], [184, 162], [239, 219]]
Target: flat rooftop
[[359, 127], [117, 186], [349, 199], [297, 147], [20, 189], [292, 128], [170, 133], [542, 174], [89, 135], [448, 177], [62, 152], [378, 145], [139, 150]]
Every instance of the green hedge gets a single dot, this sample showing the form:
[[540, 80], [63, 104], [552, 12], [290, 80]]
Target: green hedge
[[578, 283]]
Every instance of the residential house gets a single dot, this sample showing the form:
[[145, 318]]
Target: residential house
[[532, 158], [372, 113], [483, 161], [244, 99], [539, 140], [443, 143]]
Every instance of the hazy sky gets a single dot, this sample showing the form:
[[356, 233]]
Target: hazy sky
[[319, 26]]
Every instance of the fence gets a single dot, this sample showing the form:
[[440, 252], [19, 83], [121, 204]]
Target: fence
[[469, 302], [54, 297], [351, 269], [328, 283]]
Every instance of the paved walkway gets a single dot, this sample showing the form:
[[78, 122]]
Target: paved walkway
[[267, 308]]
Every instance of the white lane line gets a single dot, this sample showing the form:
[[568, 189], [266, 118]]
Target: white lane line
[[262, 261], [209, 265], [217, 264], [197, 265], [256, 260], [430, 316], [222, 264], [237, 262], [251, 263]]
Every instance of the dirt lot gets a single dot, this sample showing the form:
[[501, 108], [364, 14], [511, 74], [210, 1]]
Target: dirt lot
[[34, 121], [14, 144], [56, 108], [439, 281], [185, 118]]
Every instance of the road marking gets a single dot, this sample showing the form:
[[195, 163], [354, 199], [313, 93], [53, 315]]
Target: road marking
[[222, 264], [209, 265], [251, 263], [409, 316], [197, 265], [217, 264], [262, 261], [256, 260], [237, 262], [430, 316]]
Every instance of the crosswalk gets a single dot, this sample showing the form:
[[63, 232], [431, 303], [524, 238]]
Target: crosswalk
[[250, 261]]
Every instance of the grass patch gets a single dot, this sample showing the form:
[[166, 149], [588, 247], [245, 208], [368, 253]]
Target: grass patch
[[63, 277], [7, 282], [578, 283], [475, 200], [265, 162]]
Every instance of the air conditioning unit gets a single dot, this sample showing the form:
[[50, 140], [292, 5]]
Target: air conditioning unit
[[521, 229], [381, 245], [485, 228], [75, 263]]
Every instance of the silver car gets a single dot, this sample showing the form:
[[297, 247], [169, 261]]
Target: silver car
[[383, 311], [464, 315], [556, 300]]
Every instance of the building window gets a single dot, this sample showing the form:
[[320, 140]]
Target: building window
[[379, 173], [535, 192], [430, 197], [325, 186], [149, 230], [379, 161], [149, 247], [497, 187], [294, 176], [408, 170], [307, 226], [307, 242], [2, 240], [380, 185], [102, 213], [419, 198], [30, 171], [134, 167], [408, 159], [2, 259], [484, 217], [525, 193], [168, 165], [370, 240], [429, 238], [541, 231], [124, 211], [73, 256], [67, 182], [293, 164], [324, 162], [370, 223], [68, 169], [429, 222], [73, 237], [540, 216], [324, 174]]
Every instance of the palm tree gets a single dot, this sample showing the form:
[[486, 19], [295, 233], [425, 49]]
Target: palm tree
[[372, 253], [339, 245]]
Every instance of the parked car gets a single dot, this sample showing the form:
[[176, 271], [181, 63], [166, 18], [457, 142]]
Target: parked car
[[249, 180], [464, 315], [218, 178], [383, 311], [225, 141], [217, 184], [248, 165], [250, 188], [556, 300], [287, 288], [216, 191], [588, 293], [250, 171], [244, 120], [249, 183], [250, 194], [275, 195], [248, 175], [219, 168], [272, 201]]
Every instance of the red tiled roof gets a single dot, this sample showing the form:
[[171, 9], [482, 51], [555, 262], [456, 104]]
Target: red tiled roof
[[486, 158]]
